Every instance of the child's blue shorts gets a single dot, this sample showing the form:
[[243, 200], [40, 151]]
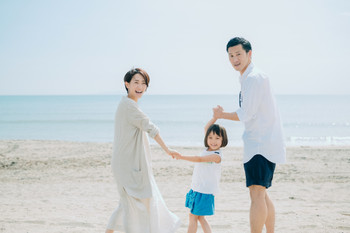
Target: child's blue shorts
[[200, 204]]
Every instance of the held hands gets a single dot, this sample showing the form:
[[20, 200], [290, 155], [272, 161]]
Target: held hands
[[174, 154], [218, 111]]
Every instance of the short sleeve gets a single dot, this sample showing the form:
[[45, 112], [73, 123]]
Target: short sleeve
[[206, 152], [218, 153]]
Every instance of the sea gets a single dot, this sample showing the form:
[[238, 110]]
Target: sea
[[308, 120]]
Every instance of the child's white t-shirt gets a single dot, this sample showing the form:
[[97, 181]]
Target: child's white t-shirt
[[206, 176]]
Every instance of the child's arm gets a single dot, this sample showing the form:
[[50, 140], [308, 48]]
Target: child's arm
[[210, 122], [200, 159]]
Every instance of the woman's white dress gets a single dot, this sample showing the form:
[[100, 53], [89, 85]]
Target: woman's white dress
[[141, 207]]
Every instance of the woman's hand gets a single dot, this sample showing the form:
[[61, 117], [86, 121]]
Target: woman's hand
[[174, 154]]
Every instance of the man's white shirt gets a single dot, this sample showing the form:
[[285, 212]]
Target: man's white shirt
[[263, 129]]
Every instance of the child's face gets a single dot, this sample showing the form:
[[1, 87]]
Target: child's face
[[214, 141]]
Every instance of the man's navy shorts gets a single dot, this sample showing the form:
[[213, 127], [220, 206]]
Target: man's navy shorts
[[259, 171]]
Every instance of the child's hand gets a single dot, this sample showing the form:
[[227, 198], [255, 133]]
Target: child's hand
[[174, 154], [178, 156], [217, 112]]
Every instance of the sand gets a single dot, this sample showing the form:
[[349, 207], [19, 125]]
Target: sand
[[57, 186]]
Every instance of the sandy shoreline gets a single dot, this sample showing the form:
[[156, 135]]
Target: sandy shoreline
[[57, 186]]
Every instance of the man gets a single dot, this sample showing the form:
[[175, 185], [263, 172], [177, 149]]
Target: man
[[263, 137]]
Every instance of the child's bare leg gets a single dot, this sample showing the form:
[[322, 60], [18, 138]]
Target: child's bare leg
[[193, 223], [205, 225], [109, 231]]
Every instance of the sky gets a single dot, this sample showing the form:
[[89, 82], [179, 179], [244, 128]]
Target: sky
[[85, 47]]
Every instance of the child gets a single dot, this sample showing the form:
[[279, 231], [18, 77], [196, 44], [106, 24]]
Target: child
[[206, 177]]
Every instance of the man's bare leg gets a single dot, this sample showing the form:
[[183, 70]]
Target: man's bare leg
[[270, 220], [258, 208]]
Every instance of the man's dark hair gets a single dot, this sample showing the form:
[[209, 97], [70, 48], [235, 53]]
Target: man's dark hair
[[128, 76], [237, 41]]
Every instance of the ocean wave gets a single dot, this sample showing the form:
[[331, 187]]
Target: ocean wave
[[327, 140]]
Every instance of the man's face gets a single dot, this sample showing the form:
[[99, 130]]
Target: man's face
[[239, 58]]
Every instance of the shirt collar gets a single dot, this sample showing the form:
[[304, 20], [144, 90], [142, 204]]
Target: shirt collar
[[246, 72], [126, 98], [206, 150]]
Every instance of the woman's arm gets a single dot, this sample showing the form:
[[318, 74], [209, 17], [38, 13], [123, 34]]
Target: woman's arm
[[140, 120], [170, 152], [200, 159]]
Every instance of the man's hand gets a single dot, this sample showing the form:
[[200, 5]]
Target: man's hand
[[217, 112]]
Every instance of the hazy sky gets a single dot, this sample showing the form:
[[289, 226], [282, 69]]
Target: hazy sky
[[86, 47]]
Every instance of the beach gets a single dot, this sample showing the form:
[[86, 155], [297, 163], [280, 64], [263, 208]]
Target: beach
[[61, 186]]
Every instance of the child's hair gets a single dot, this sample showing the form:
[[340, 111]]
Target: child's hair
[[128, 76], [218, 130]]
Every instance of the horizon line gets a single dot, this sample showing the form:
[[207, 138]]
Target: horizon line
[[119, 94]]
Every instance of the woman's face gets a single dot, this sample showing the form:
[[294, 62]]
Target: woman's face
[[136, 87]]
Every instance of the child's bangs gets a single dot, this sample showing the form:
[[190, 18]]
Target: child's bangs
[[215, 129]]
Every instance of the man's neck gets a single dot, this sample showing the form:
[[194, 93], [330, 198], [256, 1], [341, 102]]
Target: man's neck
[[245, 68]]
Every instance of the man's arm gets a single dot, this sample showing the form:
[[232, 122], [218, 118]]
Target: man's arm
[[219, 113]]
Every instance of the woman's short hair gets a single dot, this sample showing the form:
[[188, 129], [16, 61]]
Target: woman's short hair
[[218, 130], [128, 76]]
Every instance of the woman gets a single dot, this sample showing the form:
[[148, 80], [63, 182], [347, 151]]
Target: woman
[[141, 208]]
